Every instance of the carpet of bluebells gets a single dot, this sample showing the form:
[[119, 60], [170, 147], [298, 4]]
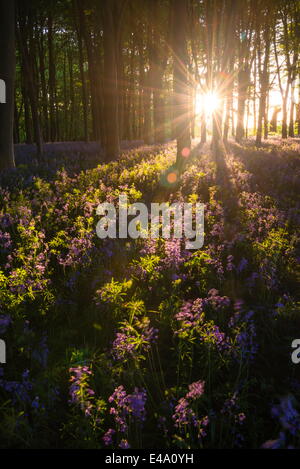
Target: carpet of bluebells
[[140, 343]]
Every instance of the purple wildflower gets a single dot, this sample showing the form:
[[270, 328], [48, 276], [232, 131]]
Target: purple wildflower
[[80, 392], [184, 414], [107, 438], [287, 415], [242, 265], [124, 444], [196, 390], [134, 339]]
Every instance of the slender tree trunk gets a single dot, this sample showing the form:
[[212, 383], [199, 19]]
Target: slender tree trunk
[[298, 113], [93, 79], [26, 45], [273, 124], [203, 127], [254, 96], [53, 130], [130, 96], [17, 123], [112, 145], [41, 50], [290, 68], [180, 81], [243, 81], [266, 122], [7, 75], [158, 66], [72, 95], [27, 120], [192, 111], [228, 63], [264, 83], [284, 119], [292, 100], [228, 113], [121, 92], [147, 130], [66, 99], [79, 32], [141, 87]]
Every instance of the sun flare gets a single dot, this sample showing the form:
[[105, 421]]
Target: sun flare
[[207, 102]]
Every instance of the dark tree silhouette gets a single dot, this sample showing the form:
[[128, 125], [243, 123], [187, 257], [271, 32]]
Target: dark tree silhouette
[[7, 74]]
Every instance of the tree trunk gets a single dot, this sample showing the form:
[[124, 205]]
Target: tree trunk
[[284, 132], [203, 127], [158, 66], [72, 94], [7, 75], [112, 144], [266, 122], [243, 81], [53, 130], [273, 125], [17, 124], [298, 113], [141, 86], [180, 82], [92, 73], [264, 83], [229, 101], [43, 84], [228, 63], [27, 49], [292, 101], [27, 120], [79, 33]]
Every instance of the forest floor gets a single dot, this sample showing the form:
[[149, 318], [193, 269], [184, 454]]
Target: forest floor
[[142, 343], [24, 150]]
